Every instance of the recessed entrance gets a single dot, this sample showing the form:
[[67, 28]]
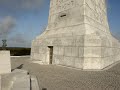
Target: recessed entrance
[[50, 54]]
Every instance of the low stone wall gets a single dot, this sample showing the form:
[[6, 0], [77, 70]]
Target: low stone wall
[[19, 80], [5, 65]]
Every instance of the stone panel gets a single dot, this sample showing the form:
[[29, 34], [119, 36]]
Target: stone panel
[[61, 51], [79, 63], [92, 40], [92, 63], [80, 41], [21, 83], [92, 52], [107, 51], [5, 63], [68, 41], [56, 51], [68, 51], [75, 51], [69, 61], [81, 51], [58, 59]]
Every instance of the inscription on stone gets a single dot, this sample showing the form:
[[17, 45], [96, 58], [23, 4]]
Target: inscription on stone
[[62, 5], [65, 4]]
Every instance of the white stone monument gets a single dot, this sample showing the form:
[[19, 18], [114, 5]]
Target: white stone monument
[[77, 36], [5, 63]]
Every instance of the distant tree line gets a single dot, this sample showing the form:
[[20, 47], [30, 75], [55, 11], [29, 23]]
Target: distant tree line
[[18, 51]]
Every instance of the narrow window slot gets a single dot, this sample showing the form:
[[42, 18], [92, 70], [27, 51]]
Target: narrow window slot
[[63, 15]]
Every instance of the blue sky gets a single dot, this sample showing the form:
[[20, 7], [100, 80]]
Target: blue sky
[[22, 20], [114, 17]]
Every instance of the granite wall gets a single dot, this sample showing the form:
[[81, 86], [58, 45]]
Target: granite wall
[[79, 32]]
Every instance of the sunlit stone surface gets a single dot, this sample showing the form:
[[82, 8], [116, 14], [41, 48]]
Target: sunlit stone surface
[[5, 63], [19, 80], [79, 34]]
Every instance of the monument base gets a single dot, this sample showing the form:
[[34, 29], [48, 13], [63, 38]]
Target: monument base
[[77, 36], [87, 51], [5, 65]]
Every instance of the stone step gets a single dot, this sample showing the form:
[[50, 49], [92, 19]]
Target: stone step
[[21, 83], [34, 83], [38, 62], [19, 80]]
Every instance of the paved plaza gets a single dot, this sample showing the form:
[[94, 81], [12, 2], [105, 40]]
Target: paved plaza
[[55, 77]]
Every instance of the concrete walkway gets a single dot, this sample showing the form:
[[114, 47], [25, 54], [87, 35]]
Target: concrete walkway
[[61, 78]]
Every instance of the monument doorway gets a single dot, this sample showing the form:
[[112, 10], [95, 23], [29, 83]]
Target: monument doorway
[[50, 54]]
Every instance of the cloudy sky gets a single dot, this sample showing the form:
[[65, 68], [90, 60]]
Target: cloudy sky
[[22, 20]]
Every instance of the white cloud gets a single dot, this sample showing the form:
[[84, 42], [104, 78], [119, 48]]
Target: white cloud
[[21, 4], [6, 26], [18, 40]]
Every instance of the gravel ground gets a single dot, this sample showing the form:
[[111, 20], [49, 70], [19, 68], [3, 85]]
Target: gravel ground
[[55, 77]]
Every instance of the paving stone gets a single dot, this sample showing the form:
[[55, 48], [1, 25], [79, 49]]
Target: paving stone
[[55, 77]]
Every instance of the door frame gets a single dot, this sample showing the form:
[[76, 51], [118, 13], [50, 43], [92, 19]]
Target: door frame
[[50, 54]]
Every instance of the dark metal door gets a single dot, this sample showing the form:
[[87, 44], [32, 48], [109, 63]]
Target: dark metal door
[[51, 54]]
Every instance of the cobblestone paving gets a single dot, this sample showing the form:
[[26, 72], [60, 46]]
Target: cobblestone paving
[[61, 78]]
